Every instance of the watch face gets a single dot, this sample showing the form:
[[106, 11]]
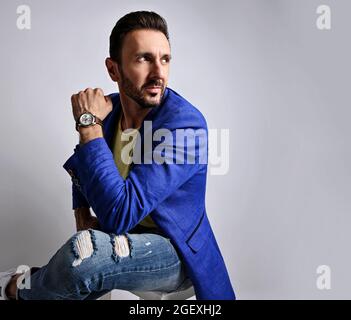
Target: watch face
[[86, 119]]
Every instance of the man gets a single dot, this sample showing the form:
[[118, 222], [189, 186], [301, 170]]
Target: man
[[151, 230]]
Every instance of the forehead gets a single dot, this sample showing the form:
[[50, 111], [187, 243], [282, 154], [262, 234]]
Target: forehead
[[152, 41]]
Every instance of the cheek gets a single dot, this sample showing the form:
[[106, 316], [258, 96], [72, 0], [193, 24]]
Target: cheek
[[138, 75], [166, 72]]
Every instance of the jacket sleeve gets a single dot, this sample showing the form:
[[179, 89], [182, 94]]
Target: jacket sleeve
[[78, 199], [121, 204]]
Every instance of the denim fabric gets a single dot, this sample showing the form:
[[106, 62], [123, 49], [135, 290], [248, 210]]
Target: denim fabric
[[153, 264]]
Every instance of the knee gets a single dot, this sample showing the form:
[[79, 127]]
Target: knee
[[79, 260], [85, 244], [121, 246], [74, 260], [89, 245], [64, 269]]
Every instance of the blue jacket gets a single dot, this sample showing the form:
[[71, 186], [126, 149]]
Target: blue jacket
[[172, 193]]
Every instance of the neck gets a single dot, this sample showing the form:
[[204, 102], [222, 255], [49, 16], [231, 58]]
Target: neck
[[132, 114]]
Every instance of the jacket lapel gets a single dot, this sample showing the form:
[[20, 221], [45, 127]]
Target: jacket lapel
[[110, 122]]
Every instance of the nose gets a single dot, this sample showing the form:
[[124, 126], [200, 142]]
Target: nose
[[158, 71]]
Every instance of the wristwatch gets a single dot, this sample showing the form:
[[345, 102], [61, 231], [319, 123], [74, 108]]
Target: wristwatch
[[87, 119]]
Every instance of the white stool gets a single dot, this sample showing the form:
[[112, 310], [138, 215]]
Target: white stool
[[107, 296], [184, 292]]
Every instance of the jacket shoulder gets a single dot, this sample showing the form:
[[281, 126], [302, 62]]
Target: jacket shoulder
[[180, 111], [115, 99]]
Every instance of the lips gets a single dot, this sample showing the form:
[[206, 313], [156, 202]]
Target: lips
[[153, 89]]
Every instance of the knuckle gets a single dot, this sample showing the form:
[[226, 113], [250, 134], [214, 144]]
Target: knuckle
[[81, 94]]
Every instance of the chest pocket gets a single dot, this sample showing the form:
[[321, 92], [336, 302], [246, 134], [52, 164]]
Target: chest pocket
[[200, 234]]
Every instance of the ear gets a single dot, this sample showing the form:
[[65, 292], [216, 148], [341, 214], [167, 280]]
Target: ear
[[112, 69]]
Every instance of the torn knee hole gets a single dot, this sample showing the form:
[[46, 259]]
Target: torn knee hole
[[82, 247], [120, 246]]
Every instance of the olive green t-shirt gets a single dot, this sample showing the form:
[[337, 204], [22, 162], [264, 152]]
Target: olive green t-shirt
[[123, 157]]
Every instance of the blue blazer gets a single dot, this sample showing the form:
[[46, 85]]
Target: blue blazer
[[172, 192]]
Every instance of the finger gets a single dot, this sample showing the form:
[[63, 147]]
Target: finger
[[90, 93], [74, 99], [99, 91], [82, 98]]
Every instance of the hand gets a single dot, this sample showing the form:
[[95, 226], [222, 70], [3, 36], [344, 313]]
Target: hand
[[85, 222], [93, 101]]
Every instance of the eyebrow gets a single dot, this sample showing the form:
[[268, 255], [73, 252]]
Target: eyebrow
[[141, 54]]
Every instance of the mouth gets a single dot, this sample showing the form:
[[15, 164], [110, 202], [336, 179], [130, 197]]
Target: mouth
[[153, 89]]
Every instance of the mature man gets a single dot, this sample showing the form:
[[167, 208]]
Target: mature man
[[140, 166]]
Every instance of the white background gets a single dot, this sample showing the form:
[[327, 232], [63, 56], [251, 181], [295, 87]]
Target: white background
[[260, 68]]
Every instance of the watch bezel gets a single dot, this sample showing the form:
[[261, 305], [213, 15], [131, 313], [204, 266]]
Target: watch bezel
[[94, 120], [84, 124]]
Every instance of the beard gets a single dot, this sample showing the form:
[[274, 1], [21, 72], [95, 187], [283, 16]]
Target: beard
[[144, 99]]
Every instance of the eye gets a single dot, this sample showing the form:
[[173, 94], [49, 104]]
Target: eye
[[143, 58], [165, 60]]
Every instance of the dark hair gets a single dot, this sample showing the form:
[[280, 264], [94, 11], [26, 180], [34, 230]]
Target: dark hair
[[134, 21]]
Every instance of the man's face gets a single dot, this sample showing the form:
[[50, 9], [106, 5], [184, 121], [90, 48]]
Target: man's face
[[145, 67]]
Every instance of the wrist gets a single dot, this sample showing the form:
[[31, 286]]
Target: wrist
[[90, 133]]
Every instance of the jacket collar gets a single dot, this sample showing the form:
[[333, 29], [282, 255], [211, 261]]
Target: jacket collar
[[110, 122]]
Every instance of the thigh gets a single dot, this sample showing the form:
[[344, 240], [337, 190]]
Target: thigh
[[92, 263], [152, 263]]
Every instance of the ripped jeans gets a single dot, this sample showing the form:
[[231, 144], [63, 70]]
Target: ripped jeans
[[92, 263]]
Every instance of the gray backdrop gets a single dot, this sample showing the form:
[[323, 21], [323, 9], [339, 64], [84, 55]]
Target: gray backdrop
[[260, 68]]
